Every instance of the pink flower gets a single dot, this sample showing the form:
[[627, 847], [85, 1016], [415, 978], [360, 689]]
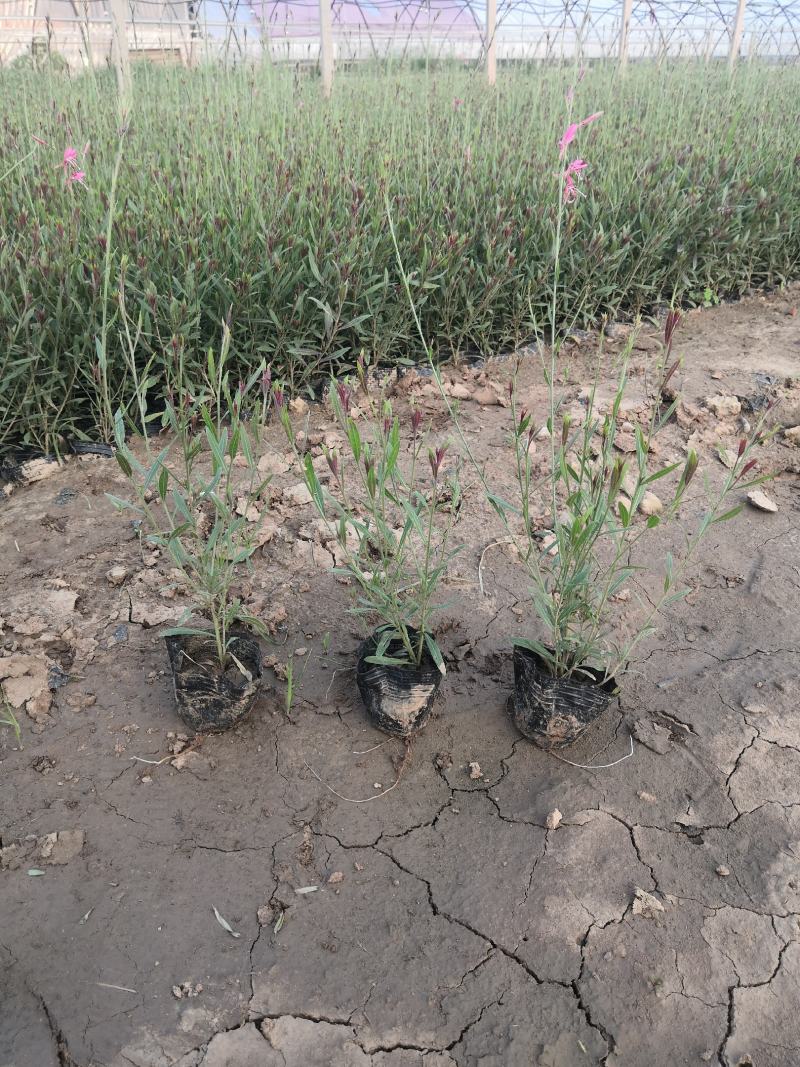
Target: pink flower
[[570, 188], [571, 131], [457, 102], [69, 165]]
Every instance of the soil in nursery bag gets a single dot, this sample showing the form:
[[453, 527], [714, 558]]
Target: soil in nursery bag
[[210, 700], [554, 712], [399, 700]]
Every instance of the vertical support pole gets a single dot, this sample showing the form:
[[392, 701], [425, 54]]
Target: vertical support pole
[[627, 8], [491, 41], [736, 36], [119, 52], [326, 47]]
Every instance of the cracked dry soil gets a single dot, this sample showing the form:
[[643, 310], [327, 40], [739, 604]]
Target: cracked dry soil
[[448, 926]]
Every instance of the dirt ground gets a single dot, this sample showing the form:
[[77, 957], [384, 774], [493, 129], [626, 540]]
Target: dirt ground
[[443, 924]]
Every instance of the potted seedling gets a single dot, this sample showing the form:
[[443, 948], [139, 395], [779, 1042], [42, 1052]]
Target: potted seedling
[[197, 499], [391, 507], [601, 506]]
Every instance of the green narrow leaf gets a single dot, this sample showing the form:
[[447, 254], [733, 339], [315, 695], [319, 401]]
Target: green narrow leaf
[[728, 514], [127, 470], [436, 654], [163, 479]]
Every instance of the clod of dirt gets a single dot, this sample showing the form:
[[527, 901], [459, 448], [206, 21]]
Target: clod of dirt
[[625, 441], [336, 878], [117, 575], [296, 495], [187, 989], [459, 391], [298, 406], [792, 435], [645, 903], [723, 406], [651, 505], [443, 761], [553, 820], [475, 772], [266, 915], [56, 849], [648, 798], [24, 683], [723, 871], [486, 397], [194, 762], [761, 501], [273, 463], [654, 737]]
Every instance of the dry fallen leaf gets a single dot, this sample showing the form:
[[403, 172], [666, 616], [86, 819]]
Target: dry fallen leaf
[[224, 923], [761, 501]]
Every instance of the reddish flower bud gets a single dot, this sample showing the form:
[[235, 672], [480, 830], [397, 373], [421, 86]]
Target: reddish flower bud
[[345, 396], [333, 462], [670, 325], [416, 420], [747, 468], [742, 447], [266, 381], [278, 398], [435, 459]]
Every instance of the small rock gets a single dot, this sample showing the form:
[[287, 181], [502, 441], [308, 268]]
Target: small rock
[[475, 771], [792, 435], [336, 878], [553, 820], [542, 434], [117, 575], [265, 915], [646, 904], [648, 798], [723, 871], [625, 442], [761, 501], [723, 406], [298, 406]]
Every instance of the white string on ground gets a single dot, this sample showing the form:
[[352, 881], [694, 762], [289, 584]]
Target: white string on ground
[[595, 766], [339, 670], [351, 800], [494, 544]]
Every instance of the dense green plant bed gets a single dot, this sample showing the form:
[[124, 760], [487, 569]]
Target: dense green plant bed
[[242, 196]]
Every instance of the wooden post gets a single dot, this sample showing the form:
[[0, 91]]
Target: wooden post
[[736, 36], [119, 52], [326, 47], [627, 8], [491, 41]]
